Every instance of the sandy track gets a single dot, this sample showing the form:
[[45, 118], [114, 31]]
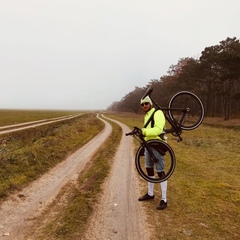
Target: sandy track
[[118, 216]]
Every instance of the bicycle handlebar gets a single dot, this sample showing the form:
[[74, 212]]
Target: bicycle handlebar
[[136, 131]]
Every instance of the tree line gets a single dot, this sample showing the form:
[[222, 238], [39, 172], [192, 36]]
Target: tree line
[[214, 77]]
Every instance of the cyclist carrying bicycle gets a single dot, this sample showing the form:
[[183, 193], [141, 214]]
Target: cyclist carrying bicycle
[[154, 122]]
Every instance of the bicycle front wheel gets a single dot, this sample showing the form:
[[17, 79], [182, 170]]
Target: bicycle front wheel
[[177, 110], [169, 161]]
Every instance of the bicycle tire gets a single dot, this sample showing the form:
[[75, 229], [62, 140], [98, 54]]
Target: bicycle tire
[[183, 100], [169, 161]]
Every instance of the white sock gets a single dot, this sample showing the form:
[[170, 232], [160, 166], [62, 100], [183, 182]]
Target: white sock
[[151, 187], [164, 190]]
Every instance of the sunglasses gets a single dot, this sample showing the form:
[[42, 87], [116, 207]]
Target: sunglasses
[[146, 103]]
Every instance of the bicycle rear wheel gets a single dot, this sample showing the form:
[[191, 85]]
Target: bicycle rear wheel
[[179, 103], [169, 161]]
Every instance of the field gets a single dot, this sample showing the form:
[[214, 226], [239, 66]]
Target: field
[[26, 155], [9, 117], [204, 190]]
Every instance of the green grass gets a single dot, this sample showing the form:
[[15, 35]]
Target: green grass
[[204, 190], [26, 155]]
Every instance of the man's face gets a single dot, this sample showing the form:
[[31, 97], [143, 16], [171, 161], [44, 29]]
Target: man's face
[[146, 106]]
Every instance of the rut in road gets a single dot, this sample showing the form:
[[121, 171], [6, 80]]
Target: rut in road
[[119, 215], [19, 211]]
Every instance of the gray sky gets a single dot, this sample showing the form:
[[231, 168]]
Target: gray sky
[[86, 54]]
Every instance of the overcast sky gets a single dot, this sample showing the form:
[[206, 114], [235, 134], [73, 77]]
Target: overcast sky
[[86, 54]]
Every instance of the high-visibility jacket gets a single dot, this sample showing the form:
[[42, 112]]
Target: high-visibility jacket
[[153, 132]]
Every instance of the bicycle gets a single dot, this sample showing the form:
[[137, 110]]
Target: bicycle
[[185, 111]]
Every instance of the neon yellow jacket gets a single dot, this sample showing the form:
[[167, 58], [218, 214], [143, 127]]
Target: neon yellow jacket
[[159, 123]]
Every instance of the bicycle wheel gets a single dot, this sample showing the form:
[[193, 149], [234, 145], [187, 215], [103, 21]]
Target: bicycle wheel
[[179, 103], [169, 161]]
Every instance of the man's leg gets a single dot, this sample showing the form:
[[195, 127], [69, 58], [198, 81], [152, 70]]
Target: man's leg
[[164, 190], [163, 185], [150, 194], [150, 172]]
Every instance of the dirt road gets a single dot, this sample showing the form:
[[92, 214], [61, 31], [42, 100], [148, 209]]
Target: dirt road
[[119, 215]]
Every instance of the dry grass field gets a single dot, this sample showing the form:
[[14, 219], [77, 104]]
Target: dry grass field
[[9, 117], [204, 190]]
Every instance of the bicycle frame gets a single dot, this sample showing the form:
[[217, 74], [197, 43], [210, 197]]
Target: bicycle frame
[[175, 127], [137, 132]]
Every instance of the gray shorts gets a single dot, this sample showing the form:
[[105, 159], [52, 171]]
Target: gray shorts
[[149, 162]]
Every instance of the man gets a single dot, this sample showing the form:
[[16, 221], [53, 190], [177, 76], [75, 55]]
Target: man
[[152, 131]]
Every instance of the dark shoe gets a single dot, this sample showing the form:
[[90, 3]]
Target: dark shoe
[[146, 197], [162, 205]]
